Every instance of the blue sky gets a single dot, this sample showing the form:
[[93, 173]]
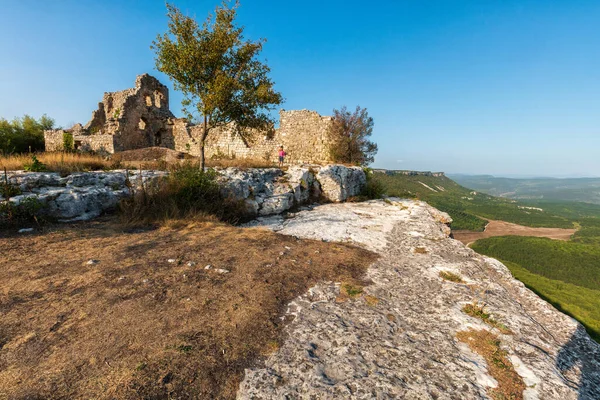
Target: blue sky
[[510, 88]]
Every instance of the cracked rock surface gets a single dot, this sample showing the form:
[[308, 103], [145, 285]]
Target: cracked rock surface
[[404, 344]]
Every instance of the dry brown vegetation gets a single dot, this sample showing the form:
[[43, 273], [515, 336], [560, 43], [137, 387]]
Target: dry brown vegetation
[[420, 250], [155, 158], [131, 324], [478, 311], [58, 162], [510, 384], [451, 276]]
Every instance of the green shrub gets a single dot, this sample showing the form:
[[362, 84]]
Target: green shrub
[[23, 135], [373, 189], [25, 212], [35, 165], [68, 142], [187, 192]]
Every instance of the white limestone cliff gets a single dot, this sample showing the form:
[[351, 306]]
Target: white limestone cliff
[[404, 345]]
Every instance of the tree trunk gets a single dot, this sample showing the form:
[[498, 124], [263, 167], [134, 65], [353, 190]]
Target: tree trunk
[[202, 140]]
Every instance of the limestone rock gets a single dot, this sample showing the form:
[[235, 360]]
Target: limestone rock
[[338, 182], [80, 196], [405, 345]]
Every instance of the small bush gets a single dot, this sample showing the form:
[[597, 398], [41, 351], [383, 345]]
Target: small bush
[[35, 165], [68, 142], [26, 212], [373, 189], [187, 193]]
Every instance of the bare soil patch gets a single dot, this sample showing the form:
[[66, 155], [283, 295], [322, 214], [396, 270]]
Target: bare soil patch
[[146, 318], [502, 228]]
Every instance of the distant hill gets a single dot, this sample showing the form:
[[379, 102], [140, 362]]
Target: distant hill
[[585, 190], [468, 207]]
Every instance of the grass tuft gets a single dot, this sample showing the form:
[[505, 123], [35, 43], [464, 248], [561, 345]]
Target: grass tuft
[[420, 250], [451, 276], [478, 311], [510, 384]]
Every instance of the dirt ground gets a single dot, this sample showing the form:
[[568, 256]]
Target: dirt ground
[[502, 228], [92, 310]]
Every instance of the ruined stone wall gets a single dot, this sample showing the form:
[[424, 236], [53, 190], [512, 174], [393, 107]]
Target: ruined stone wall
[[99, 143], [140, 117], [53, 140], [303, 134], [129, 119]]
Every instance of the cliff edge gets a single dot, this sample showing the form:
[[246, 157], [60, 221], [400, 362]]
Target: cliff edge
[[408, 334]]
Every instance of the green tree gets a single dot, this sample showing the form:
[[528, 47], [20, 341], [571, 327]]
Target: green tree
[[218, 72], [68, 142], [349, 137], [23, 134]]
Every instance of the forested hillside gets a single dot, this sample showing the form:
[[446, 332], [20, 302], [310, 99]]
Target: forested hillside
[[567, 189], [567, 274], [468, 208]]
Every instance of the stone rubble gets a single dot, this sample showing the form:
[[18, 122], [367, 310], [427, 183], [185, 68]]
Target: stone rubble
[[404, 345], [266, 191]]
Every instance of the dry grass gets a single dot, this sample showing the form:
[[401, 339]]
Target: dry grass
[[451, 276], [420, 250], [510, 384], [151, 158], [134, 325], [478, 311], [58, 162], [240, 163]]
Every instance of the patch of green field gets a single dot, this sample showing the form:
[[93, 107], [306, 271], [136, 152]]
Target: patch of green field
[[581, 303], [571, 262]]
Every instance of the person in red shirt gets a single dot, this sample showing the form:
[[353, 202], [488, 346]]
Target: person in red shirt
[[282, 155]]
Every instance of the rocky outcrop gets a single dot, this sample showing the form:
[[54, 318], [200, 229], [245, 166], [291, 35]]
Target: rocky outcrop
[[80, 196], [398, 339], [269, 191], [339, 182], [266, 191]]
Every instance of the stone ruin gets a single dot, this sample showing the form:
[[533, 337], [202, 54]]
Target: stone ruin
[[140, 117]]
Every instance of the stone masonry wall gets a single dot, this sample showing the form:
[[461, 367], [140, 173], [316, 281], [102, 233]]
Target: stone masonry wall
[[302, 133]]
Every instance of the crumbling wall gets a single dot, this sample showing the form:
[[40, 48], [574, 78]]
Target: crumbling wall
[[303, 134]]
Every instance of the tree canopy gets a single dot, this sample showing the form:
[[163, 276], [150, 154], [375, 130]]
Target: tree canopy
[[349, 135], [23, 134], [217, 70]]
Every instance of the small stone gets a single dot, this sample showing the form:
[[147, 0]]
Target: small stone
[[208, 266], [191, 264], [222, 271], [282, 253], [25, 230], [92, 262], [288, 248], [171, 261]]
